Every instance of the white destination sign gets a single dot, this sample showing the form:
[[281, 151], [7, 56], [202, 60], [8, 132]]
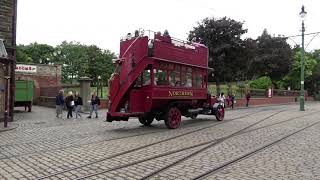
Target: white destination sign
[[26, 68]]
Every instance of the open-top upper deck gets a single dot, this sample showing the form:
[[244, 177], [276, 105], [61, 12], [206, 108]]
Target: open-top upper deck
[[164, 47]]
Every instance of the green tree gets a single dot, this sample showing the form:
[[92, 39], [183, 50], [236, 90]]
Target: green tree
[[273, 57], [35, 53], [263, 82], [99, 63], [73, 57], [293, 78], [223, 38], [22, 57], [77, 60], [316, 73], [80, 60]]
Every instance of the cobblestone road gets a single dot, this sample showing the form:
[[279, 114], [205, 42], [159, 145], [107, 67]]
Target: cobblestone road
[[43, 147]]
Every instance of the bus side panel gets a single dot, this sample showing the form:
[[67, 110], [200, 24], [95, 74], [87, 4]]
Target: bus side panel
[[140, 101]]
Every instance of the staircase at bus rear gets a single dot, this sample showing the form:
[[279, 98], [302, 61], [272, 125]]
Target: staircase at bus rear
[[121, 87]]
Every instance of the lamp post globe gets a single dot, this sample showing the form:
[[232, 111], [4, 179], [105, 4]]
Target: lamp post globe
[[302, 14]]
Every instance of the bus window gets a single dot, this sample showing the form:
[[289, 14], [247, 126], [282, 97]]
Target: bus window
[[177, 75], [163, 66], [189, 79], [201, 79], [146, 78], [177, 78], [184, 79], [198, 79], [170, 66], [204, 84], [171, 78], [138, 81], [160, 77], [155, 73]]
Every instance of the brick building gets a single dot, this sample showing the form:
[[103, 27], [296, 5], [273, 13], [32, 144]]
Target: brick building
[[47, 78], [8, 14]]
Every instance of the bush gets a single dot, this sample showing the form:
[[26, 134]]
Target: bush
[[261, 83], [281, 84]]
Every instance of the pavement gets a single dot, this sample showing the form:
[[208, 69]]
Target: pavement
[[44, 147], [10, 126]]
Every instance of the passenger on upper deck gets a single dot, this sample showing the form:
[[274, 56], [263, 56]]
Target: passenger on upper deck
[[128, 36], [197, 42], [136, 33], [166, 33]]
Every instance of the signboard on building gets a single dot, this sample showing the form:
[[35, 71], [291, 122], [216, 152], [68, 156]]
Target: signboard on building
[[26, 68]]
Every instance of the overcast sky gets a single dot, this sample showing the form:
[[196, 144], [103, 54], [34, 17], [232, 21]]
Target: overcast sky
[[103, 22]]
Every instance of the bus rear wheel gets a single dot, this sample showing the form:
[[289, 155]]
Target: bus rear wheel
[[146, 120], [173, 118]]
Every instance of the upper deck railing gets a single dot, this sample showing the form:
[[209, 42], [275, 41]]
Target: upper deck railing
[[162, 47], [152, 37]]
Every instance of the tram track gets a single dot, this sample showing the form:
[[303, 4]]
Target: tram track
[[131, 136], [208, 143], [251, 153], [212, 144]]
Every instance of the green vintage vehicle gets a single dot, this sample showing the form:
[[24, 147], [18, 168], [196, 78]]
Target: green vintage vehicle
[[24, 94]]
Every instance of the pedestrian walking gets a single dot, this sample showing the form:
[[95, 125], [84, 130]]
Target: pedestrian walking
[[222, 99], [233, 100], [228, 99], [78, 103], [248, 96], [59, 104], [95, 102], [70, 104]]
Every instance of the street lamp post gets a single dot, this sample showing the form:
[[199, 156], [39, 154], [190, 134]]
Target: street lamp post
[[302, 14]]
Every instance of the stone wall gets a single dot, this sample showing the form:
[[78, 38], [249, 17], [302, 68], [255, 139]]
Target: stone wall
[[7, 33], [6, 22], [268, 101], [2, 87]]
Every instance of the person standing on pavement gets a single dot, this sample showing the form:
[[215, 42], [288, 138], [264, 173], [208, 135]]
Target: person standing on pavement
[[228, 99], [69, 104], [59, 103], [78, 103], [233, 100], [223, 99], [248, 96], [95, 102]]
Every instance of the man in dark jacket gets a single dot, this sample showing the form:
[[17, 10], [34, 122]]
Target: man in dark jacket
[[95, 102], [59, 103], [248, 96]]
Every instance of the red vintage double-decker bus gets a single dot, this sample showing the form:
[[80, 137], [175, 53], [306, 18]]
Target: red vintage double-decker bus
[[159, 77]]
